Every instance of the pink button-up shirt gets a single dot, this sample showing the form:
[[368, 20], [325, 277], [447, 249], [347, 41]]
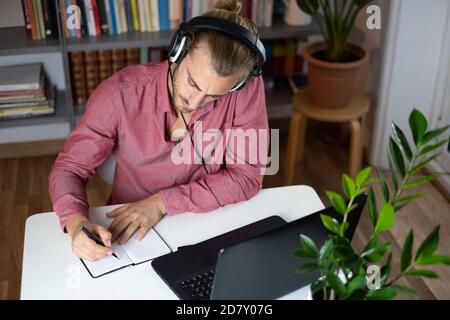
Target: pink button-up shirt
[[130, 114]]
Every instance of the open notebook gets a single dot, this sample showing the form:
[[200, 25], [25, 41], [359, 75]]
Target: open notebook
[[130, 253]]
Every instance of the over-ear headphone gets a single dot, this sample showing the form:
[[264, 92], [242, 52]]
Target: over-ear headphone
[[177, 50]]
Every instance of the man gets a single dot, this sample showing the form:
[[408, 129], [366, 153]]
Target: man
[[139, 113]]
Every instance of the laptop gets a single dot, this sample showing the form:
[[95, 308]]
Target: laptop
[[252, 262]]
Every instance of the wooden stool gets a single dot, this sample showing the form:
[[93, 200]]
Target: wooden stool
[[353, 114]]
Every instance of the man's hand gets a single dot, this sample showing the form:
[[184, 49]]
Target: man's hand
[[84, 247], [141, 215]]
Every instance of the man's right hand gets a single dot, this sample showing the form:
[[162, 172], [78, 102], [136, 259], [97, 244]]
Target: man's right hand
[[84, 247]]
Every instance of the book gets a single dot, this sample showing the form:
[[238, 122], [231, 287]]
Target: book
[[131, 253], [20, 77]]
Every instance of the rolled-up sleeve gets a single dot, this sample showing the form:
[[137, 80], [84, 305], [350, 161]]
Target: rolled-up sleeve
[[236, 180], [86, 147]]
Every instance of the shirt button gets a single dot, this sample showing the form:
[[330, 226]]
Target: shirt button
[[181, 179], [180, 153]]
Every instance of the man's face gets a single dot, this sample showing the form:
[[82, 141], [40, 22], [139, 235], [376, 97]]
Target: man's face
[[196, 82]]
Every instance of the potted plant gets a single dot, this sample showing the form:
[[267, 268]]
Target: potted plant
[[343, 270], [333, 63]]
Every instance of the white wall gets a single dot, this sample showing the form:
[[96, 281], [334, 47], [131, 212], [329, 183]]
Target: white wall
[[11, 13], [415, 56]]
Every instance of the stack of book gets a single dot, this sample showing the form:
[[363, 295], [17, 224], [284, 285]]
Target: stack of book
[[25, 92]]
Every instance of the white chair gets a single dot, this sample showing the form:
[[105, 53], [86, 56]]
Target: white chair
[[107, 168]]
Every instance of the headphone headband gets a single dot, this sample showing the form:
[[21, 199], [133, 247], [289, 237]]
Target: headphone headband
[[177, 51]]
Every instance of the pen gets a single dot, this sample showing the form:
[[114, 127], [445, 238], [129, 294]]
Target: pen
[[94, 237]]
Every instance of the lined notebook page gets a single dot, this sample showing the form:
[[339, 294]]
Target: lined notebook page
[[109, 263], [150, 247]]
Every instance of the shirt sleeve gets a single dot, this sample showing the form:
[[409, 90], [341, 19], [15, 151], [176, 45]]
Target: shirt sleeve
[[86, 147], [236, 180]]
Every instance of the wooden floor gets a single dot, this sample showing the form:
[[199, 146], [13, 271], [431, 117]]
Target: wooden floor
[[23, 192]]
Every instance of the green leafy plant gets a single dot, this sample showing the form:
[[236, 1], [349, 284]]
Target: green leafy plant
[[338, 20], [344, 272]]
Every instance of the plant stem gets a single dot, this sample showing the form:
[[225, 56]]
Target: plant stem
[[405, 179], [401, 274]]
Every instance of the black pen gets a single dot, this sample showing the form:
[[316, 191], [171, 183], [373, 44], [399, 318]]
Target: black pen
[[94, 237]]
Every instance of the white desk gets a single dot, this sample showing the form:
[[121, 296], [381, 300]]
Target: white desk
[[51, 271]]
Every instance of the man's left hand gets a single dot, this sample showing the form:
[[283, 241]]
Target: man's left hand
[[141, 215]]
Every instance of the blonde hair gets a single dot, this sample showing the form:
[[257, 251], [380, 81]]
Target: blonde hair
[[229, 55]]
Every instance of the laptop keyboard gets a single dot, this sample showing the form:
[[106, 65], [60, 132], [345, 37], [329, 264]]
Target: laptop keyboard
[[198, 287]]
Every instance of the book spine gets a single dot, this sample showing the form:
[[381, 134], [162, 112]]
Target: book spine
[[144, 55], [108, 16], [135, 15], [123, 16], [132, 56], [142, 11], [118, 59], [83, 20], [36, 19], [268, 14], [117, 16], [77, 30], [90, 17], [129, 17], [91, 70], [62, 8], [163, 6], [149, 15], [113, 17], [26, 18], [102, 16], [78, 78], [72, 32], [96, 17], [105, 64], [155, 15]]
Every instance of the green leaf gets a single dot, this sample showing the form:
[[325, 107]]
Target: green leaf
[[432, 147], [392, 172], [317, 285], [384, 187], [309, 246], [416, 182], [385, 293], [308, 6], [335, 283], [372, 208], [302, 254], [429, 245], [349, 186], [418, 167], [397, 156], [386, 269], [337, 201], [410, 197], [430, 135], [363, 175], [404, 289], [343, 227], [422, 273], [330, 223], [386, 219], [307, 267], [372, 243], [357, 283], [407, 252], [418, 125], [402, 141], [434, 260]]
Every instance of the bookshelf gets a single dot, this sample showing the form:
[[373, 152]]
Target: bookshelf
[[14, 42]]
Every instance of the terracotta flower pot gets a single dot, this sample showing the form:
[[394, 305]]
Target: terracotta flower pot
[[332, 84]]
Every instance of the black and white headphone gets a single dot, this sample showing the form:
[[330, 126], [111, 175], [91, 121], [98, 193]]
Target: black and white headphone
[[177, 50]]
